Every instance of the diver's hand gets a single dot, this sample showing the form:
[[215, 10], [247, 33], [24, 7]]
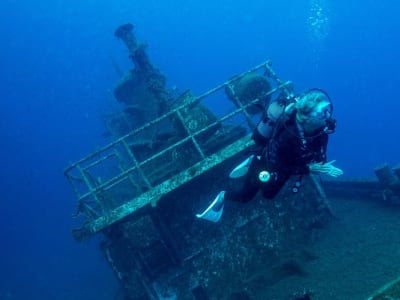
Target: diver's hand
[[327, 168]]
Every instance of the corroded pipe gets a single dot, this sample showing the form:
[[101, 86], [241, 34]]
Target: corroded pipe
[[125, 33], [136, 48]]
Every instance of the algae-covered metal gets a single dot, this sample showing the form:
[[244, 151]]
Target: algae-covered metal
[[142, 190], [134, 171], [391, 291]]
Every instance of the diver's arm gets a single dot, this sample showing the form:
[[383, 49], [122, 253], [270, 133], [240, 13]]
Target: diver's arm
[[322, 166], [325, 168], [322, 157]]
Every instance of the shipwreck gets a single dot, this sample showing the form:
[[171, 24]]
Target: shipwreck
[[170, 153]]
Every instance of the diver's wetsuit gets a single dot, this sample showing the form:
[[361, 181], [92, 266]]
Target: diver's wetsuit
[[285, 154]]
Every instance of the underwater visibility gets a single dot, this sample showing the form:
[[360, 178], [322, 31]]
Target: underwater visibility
[[200, 150], [170, 152]]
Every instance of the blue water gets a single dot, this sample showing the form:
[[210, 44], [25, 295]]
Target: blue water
[[56, 77]]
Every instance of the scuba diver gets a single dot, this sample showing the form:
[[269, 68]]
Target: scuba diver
[[293, 139]]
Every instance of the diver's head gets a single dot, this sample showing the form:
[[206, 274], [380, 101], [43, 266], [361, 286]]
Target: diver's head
[[314, 110]]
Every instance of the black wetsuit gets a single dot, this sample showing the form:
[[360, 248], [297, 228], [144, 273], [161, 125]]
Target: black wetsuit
[[285, 154]]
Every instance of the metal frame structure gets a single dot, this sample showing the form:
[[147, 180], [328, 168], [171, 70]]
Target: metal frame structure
[[97, 204]]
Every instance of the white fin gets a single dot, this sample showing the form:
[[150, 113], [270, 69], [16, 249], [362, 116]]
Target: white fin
[[242, 168], [214, 211]]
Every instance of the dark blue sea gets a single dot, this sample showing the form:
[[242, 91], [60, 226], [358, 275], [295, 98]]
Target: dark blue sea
[[57, 77]]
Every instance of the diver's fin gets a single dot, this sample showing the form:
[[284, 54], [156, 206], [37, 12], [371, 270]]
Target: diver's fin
[[214, 211], [242, 168]]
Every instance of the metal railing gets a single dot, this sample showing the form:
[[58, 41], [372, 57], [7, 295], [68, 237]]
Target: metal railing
[[120, 178]]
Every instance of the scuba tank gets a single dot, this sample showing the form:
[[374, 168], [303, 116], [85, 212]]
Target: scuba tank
[[265, 128]]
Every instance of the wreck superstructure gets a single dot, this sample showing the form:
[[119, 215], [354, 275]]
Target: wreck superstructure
[[168, 147], [170, 155]]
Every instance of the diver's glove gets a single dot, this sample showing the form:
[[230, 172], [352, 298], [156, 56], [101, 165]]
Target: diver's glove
[[327, 168]]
